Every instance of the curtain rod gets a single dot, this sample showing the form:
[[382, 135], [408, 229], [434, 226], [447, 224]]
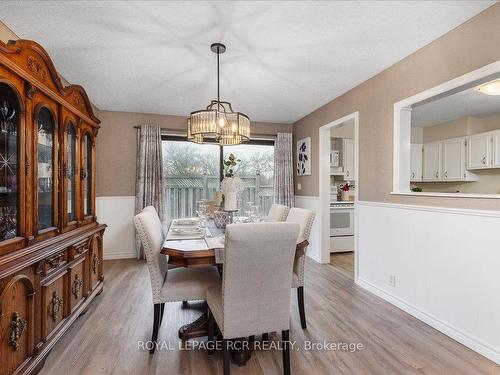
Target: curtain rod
[[181, 132]]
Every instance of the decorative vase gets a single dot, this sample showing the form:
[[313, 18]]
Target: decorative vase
[[345, 195], [230, 201], [221, 218]]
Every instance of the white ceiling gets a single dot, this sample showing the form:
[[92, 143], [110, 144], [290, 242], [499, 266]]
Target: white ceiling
[[465, 103], [284, 58]]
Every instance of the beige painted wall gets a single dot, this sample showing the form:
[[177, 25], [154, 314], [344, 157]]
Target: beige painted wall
[[466, 48], [116, 146]]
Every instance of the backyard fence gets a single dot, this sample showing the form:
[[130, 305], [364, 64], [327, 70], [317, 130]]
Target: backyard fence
[[181, 193]]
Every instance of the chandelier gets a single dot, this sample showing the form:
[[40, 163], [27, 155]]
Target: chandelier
[[218, 121]]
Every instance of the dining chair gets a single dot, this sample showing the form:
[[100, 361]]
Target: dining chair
[[305, 219], [255, 293], [157, 218], [277, 212], [169, 285]]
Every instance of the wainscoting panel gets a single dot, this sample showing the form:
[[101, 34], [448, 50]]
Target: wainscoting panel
[[118, 214], [312, 203], [440, 265]]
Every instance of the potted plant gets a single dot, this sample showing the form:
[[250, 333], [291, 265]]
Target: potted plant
[[344, 189], [231, 186]]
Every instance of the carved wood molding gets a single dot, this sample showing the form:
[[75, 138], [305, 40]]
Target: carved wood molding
[[39, 65]]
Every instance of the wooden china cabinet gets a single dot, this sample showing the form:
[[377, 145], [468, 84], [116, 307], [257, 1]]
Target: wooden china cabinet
[[50, 242]]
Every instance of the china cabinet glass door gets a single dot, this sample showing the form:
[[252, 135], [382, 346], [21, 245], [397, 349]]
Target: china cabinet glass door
[[70, 172], [9, 200], [45, 147], [87, 175]]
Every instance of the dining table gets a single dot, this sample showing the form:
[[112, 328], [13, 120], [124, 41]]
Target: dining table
[[205, 251]]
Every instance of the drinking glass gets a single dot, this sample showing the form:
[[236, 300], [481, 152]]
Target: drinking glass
[[257, 214]]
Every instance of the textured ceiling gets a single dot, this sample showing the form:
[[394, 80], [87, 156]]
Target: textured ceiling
[[284, 59]]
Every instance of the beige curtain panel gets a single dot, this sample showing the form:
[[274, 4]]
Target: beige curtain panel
[[283, 170], [149, 173]]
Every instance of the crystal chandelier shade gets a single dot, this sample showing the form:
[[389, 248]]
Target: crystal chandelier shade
[[218, 121]]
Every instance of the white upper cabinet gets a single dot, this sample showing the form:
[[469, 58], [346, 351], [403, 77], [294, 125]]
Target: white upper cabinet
[[454, 159], [349, 160], [432, 161], [479, 151], [416, 162], [496, 150]]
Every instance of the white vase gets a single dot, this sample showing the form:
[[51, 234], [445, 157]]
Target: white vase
[[230, 201]]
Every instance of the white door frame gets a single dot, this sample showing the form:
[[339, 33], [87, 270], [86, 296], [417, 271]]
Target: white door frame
[[324, 187]]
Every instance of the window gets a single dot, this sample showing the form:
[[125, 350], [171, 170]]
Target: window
[[192, 172]]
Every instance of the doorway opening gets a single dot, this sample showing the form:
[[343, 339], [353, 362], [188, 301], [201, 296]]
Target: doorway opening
[[338, 189]]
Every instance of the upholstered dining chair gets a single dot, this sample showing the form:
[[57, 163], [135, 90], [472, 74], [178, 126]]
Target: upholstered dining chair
[[277, 212], [255, 293], [157, 218], [305, 219], [169, 285]]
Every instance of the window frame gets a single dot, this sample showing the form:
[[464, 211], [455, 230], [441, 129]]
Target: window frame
[[260, 142]]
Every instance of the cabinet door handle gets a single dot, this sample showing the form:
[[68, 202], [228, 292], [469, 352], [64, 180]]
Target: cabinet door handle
[[437, 174], [483, 160], [347, 173], [77, 285], [17, 327], [412, 174], [55, 306], [445, 174]]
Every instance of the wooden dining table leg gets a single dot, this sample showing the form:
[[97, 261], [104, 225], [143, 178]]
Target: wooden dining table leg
[[197, 328]]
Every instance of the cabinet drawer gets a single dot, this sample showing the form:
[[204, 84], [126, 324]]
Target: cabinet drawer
[[53, 304], [55, 262], [77, 290], [78, 250]]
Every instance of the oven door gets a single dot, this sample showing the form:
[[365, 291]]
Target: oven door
[[341, 221]]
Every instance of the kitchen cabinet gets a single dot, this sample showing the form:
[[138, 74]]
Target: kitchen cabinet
[[432, 161], [349, 159], [416, 162], [496, 149], [479, 151], [454, 159]]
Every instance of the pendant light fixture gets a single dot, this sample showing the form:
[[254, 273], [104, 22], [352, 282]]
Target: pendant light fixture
[[218, 121]]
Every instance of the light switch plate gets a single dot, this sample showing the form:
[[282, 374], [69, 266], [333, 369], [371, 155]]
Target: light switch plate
[[299, 186]]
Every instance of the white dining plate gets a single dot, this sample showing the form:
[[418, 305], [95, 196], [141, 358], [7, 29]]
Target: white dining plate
[[186, 222], [187, 231]]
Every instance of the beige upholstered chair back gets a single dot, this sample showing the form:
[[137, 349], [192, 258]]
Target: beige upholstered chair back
[[305, 218], [152, 209], [277, 212], [151, 236], [258, 261]]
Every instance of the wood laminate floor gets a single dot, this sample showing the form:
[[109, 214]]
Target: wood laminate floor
[[105, 339]]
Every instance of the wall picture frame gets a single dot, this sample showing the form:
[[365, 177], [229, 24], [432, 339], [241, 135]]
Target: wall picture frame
[[304, 157]]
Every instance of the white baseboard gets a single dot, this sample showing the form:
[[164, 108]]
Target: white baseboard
[[453, 332]]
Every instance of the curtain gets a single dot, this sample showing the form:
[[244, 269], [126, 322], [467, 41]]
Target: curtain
[[149, 173], [283, 170]]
